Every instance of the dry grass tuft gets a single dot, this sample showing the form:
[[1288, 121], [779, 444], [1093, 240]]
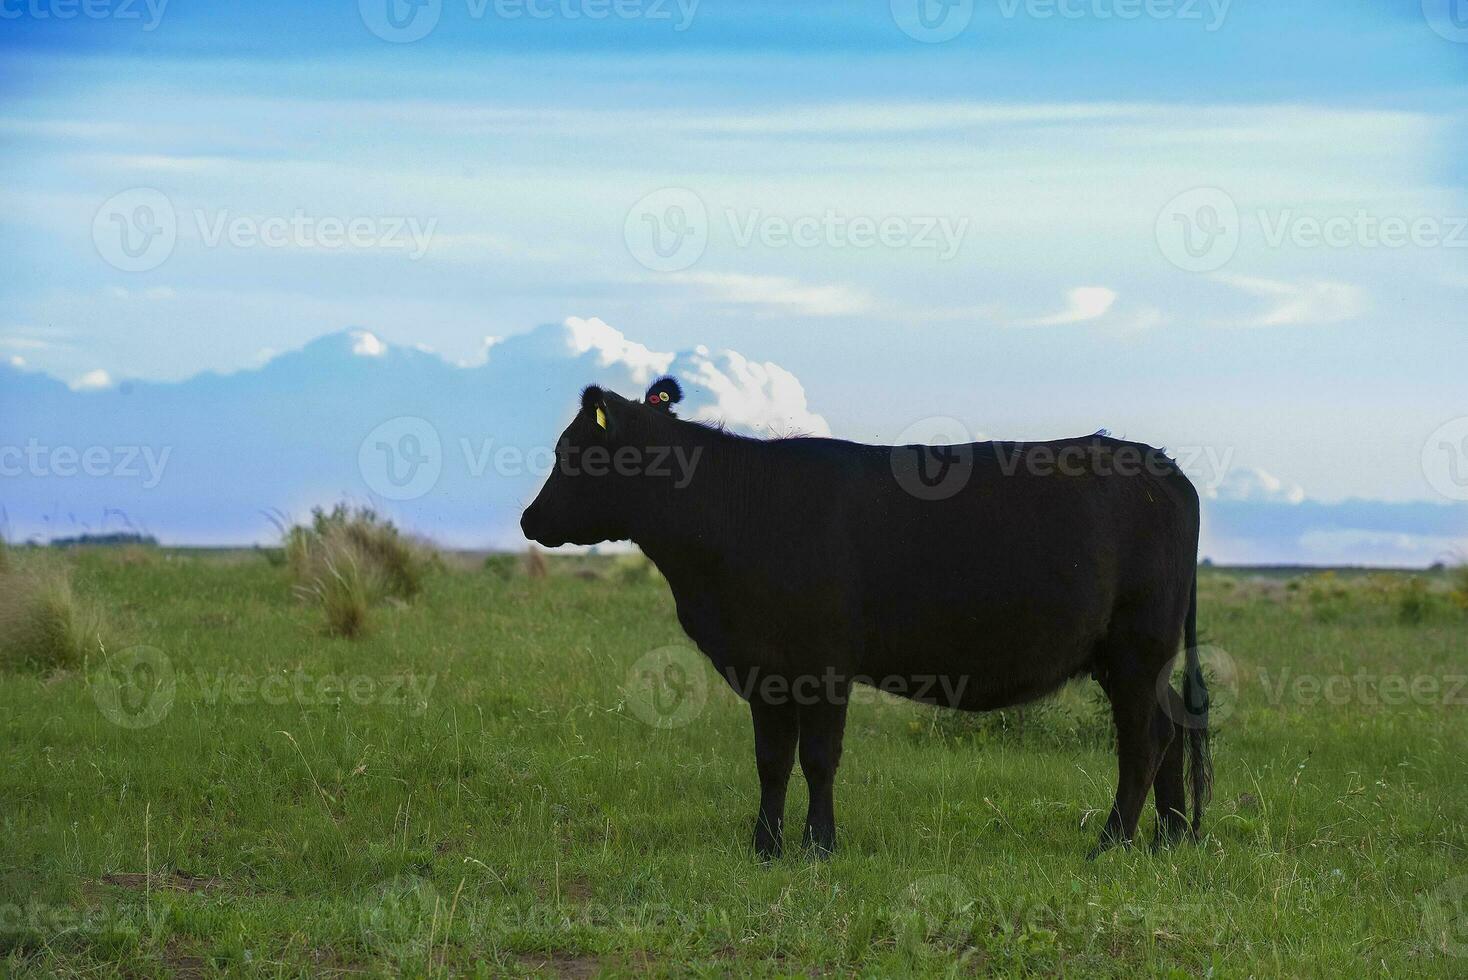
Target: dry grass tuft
[[350, 560], [535, 564], [43, 624]]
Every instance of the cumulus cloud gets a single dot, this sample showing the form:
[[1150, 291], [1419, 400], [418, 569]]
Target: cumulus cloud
[[611, 347], [365, 344], [1249, 483], [725, 387], [759, 396], [92, 381]]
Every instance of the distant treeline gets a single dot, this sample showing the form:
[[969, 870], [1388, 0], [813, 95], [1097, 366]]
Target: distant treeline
[[114, 540]]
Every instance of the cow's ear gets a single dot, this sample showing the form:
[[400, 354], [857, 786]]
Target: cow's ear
[[594, 404], [664, 394]]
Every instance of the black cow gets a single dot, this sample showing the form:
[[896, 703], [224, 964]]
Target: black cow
[[977, 576]]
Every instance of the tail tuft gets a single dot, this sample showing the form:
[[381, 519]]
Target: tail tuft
[[1195, 702]]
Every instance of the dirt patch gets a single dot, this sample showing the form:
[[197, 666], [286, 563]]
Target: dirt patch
[[575, 889], [184, 965], [562, 964]]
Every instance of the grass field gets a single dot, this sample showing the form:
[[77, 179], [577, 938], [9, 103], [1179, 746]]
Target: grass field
[[487, 781]]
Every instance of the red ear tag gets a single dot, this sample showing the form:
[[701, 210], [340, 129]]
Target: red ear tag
[[652, 399]]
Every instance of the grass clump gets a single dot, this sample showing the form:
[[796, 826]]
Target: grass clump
[[42, 622], [349, 560]]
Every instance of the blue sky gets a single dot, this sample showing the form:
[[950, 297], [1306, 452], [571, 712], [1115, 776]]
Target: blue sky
[[1055, 142]]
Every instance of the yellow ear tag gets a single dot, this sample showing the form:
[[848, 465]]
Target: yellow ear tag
[[601, 417]]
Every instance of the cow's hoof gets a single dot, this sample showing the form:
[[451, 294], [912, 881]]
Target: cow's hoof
[[766, 848], [1105, 844], [819, 847], [1166, 839]]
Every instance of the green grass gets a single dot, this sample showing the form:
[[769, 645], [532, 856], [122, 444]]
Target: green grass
[[477, 792]]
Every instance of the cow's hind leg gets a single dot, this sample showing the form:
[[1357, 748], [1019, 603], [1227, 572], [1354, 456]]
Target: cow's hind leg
[[1143, 734], [1168, 788], [822, 726], [776, 729]]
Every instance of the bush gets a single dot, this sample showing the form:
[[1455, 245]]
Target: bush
[[42, 622], [350, 560], [1413, 601], [1328, 597], [1460, 587], [502, 565], [635, 568]]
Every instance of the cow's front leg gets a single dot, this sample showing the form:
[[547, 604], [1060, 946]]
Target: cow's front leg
[[776, 727], [821, 729]]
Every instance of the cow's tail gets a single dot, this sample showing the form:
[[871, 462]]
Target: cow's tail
[[1195, 702]]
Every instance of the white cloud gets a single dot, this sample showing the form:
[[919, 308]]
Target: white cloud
[[1249, 483], [92, 381], [1082, 303], [761, 397], [779, 291], [23, 343], [1297, 304], [366, 344], [727, 387], [586, 335], [17, 361]]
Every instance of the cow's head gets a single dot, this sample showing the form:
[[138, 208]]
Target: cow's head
[[602, 459]]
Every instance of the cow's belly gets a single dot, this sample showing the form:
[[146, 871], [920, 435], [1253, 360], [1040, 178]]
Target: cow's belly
[[979, 656]]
